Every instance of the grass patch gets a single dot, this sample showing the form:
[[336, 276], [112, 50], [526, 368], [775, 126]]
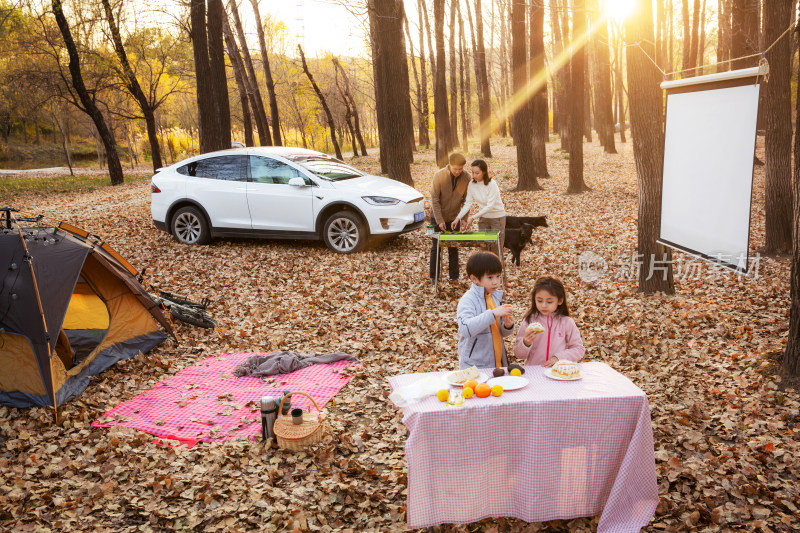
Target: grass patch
[[52, 185]]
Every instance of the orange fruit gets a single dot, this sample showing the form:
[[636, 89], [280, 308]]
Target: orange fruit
[[443, 395], [482, 390], [471, 383], [515, 372], [497, 390], [468, 392]]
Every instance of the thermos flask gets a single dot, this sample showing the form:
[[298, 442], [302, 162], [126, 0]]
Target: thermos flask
[[269, 410]]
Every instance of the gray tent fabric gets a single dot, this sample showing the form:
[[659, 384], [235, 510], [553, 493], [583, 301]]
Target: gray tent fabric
[[283, 362]]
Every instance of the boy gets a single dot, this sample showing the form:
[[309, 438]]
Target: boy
[[448, 190], [482, 320]]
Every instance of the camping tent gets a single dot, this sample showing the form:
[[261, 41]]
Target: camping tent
[[70, 307]]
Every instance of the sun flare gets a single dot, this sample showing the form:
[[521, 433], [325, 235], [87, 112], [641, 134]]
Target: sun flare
[[619, 9]]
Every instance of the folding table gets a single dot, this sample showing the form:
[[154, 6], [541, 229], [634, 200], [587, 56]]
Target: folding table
[[470, 239]]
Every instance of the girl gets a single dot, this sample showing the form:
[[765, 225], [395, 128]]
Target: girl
[[560, 338], [484, 191]]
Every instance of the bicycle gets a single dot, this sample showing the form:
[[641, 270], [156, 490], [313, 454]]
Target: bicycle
[[180, 308]]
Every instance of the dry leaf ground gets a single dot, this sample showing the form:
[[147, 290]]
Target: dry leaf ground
[[725, 427]]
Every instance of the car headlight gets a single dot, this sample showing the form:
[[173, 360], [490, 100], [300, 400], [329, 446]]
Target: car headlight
[[380, 200]]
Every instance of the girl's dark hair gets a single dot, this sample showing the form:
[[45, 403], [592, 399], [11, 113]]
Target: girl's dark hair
[[481, 164], [483, 263], [554, 287]]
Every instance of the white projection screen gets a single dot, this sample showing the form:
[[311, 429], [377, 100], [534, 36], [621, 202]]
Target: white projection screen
[[709, 145]]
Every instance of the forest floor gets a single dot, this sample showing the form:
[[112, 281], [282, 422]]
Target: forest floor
[[725, 424]]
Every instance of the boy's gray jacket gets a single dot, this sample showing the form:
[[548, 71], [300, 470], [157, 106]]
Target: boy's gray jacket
[[475, 345]]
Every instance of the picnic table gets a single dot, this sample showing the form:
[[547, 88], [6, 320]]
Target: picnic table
[[467, 239], [551, 450]]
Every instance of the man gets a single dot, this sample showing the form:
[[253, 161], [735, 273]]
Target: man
[[447, 197]]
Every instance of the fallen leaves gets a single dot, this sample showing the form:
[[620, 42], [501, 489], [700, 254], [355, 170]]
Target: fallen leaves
[[725, 431]]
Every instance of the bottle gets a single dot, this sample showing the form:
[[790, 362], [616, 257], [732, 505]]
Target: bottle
[[269, 410]]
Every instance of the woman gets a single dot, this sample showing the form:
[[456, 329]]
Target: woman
[[483, 191]]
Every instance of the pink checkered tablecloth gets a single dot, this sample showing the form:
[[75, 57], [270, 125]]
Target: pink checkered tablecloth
[[552, 450]]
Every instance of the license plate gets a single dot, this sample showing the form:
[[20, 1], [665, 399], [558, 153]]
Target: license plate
[[419, 216]]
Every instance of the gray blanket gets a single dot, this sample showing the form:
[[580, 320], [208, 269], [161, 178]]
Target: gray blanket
[[285, 362]]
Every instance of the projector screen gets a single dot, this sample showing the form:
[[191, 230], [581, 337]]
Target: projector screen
[[709, 145]]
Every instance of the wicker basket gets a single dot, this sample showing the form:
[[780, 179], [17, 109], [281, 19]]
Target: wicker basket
[[291, 436]]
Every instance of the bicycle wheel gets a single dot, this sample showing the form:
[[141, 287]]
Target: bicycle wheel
[[190, 316]]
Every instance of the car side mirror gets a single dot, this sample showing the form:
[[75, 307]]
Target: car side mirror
[[298, 182]]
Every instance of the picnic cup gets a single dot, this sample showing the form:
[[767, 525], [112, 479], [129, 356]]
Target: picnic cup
[[297, 415]]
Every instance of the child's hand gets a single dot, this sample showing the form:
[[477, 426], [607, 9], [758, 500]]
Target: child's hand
[[529, 336], [550, 362], [502, 311]]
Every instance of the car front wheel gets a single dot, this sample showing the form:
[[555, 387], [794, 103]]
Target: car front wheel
[[189, 226], [344, 233]]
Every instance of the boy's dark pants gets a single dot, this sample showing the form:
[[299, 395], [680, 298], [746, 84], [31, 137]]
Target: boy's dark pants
[[452, 254]]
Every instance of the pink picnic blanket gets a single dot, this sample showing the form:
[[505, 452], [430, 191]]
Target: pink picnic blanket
[[206, 402]]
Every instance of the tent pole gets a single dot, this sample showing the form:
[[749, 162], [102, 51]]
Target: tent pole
[[29, 259]]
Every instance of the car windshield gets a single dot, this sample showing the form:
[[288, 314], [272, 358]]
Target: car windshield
[[326, 167]]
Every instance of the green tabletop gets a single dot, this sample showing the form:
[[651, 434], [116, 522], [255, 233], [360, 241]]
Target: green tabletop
[[472, 236]]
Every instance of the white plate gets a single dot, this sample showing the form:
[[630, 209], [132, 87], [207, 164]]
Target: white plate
[[549, 374], [508, 382], [449, 377]]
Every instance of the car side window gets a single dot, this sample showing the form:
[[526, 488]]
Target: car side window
[[223, 167], [268, 170]]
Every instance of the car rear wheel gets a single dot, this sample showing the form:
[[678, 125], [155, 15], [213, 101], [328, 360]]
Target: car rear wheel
[[344, 232], [189, 226]]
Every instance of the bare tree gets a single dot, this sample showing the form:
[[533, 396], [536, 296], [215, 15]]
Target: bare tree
[[452, 31], [778, 118], [482, 81], [240, 74], [791, 355], [541, 119], [601, 72], [577, 70], [522, 119], [393, 104], [354, 109], [462, 79], [273, 100], [253, 92], [416, 81], [424, 112], [440, 108], [644, 79], [88, 104], [323, 102]]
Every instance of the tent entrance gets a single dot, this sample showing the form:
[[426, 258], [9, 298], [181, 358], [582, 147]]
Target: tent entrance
[[85, 324]]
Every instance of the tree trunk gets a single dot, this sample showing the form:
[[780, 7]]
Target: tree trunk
[[462, 80], [253, 92], [391, 76], [89, 107], [441, 115], [273, 101], [791, 356], [331, 123], [522, 118], [587, 98], [723, 28], [64, 145], [745, 16], [241, 81], [482, 80], [671, 12], [453, 77], [701, 49], [778, 117], [504, 68], [654, 260], [604, 120], [577, 71], [561, 78], [416, 80], [686, 45], [219, 77], [695, 39], [538, 74], [132, 84], [620, 89], [424, 112], [353, 107]]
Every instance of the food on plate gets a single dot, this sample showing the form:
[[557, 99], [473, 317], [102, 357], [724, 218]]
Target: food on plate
[[515, 372], [483, 390], [471, 383], [514, 366], [468, 392], [443, 395], [566, 369], [497, 390], [460, 376], [497, 372], [535, 327]]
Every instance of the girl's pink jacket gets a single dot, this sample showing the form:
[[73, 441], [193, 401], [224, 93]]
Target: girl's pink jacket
[[562, 335]]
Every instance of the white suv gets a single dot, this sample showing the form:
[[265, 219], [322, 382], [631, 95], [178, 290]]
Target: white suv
[[280, 192]]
